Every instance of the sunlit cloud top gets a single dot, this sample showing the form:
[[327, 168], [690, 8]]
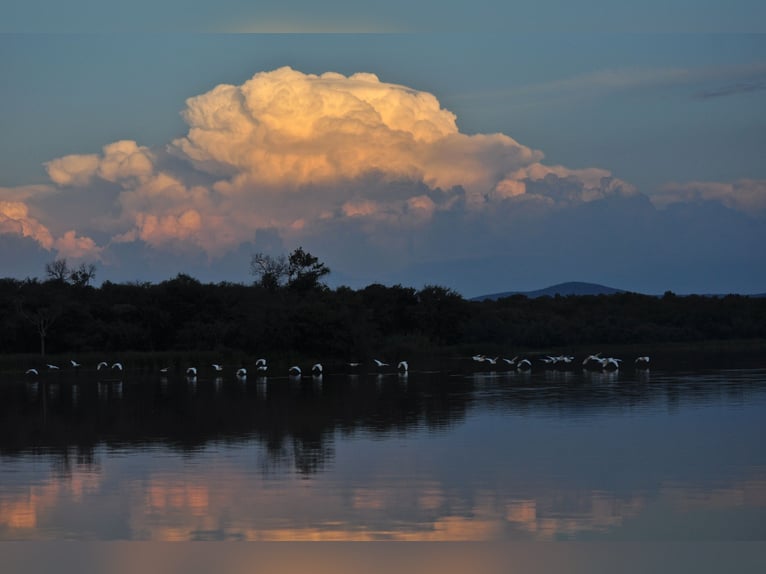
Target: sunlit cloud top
[[309, 158], [286, 149], [286, 127]]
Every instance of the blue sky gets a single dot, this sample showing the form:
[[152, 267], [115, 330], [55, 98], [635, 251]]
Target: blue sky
[[583, 16], [593, 144]]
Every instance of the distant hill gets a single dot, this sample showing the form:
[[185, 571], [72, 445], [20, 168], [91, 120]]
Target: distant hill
[[563, 289]]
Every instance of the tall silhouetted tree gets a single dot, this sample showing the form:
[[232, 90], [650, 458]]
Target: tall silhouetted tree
[[270, 272], [82, 275], [57, 270], [300, 271], [304, 271]]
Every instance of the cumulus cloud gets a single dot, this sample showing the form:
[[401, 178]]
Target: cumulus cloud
[[15, 220], [121, 160], [746, 195], [288, 150], [125, 160], [561, 186], [289, 128], [311, 157], [71, 246], [72, 170]]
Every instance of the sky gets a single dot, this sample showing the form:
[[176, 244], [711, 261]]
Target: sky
[[484, 146]]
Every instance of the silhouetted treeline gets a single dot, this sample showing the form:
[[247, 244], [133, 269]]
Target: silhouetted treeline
[[58, 316]]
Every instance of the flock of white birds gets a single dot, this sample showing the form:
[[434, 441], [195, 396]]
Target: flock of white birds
[[261, 368], [76, 365], [591, 362]]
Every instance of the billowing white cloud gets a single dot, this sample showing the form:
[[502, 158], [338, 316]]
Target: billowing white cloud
[[312, 157], [286, 128], [72, 170], [120, 160], [286, 149], [746, 195], [125, 160]]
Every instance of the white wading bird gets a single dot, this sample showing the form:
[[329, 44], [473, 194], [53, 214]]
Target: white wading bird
[[558, 360], [242, 373], [317, 370], [403, 367], [261, 366], [642, 362], [31, 372], [593, 361], [102, 365], [524, 365], [294, 371], [218, 368], [610, 363], [117, 366]]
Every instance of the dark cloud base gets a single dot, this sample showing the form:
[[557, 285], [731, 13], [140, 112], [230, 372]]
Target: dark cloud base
[[624, 242]]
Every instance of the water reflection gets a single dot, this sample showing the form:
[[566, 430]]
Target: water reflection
[[167, 506], [488, 456]]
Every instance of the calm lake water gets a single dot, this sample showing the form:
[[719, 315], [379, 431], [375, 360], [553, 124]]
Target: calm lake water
[[661, 471], [629, 456]]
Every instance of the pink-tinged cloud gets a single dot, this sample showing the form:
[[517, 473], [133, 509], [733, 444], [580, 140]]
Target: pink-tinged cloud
[[181, 227], [15, 220], [299, 152], [71, 246], [360, 208], [746, 195]]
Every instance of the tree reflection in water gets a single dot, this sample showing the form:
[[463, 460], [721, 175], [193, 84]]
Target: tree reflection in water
[[478, 456], [297, 421]]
